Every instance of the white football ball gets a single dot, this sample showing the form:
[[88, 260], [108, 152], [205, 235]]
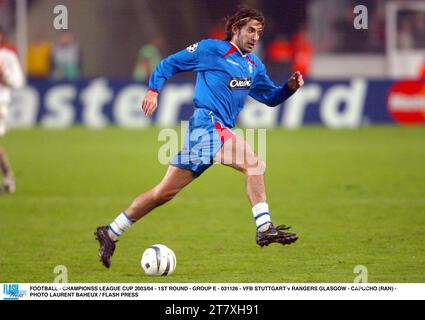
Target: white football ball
[[158, 260]]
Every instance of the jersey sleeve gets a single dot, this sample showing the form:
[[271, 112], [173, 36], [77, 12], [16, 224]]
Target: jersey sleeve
[[13, 75], [190, 59], [264, 90]]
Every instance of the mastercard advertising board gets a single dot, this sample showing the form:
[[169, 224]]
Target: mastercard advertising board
[[406, 102]]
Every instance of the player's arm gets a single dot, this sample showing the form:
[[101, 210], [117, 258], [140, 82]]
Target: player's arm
[[266, 91], [189, 59]]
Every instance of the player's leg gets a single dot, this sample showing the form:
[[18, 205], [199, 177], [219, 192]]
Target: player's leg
[[9, 184], [238, 154], [174, 180], [4, 165]]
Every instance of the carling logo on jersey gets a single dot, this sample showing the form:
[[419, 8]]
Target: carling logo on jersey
[[240, 83]]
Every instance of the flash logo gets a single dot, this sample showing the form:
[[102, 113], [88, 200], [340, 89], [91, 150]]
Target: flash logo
[[237, 83], [192, 48]]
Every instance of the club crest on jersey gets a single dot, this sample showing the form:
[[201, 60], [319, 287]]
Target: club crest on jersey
[[192, 48], [240, 83]]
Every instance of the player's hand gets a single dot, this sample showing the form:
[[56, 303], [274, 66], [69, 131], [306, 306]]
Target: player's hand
[[150, 103], [296, 81]]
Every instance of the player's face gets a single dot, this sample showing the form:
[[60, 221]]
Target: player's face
[[247, 37]]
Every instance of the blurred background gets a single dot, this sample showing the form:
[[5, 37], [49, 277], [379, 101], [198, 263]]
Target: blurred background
[[111, 34], [125, 40]]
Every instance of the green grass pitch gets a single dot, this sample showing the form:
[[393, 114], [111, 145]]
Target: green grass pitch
[[355, 197]]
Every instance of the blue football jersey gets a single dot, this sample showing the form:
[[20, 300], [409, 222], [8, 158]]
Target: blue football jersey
[[225, 78]]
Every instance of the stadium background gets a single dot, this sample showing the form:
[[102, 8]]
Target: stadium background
[[354, 194]]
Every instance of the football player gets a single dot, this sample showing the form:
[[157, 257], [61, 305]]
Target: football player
[[227, 74], [11, 77]]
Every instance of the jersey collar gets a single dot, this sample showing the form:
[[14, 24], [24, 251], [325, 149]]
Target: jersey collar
[[237, 48]]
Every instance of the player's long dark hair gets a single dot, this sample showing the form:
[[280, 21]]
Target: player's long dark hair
[[241, 18]]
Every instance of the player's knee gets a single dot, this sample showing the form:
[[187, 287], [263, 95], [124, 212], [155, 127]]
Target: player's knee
[[255, 166], [260, 169]]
